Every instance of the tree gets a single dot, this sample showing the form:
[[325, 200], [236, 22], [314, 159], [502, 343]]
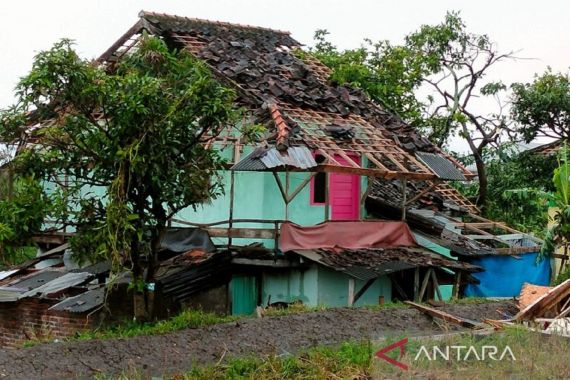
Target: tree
[[542, 108], [444, 57], [22, 212], [125, 143], [517, 181], [388, 73]]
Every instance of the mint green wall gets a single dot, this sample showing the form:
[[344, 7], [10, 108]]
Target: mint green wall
[[333, 289], [257, 196], [446, 290]]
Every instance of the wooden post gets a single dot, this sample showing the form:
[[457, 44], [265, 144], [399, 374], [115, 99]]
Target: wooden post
[[416, 284], [404, 195], [232, 191], [287, 195], [457, 285], [327, 207], [436, 285], [424, 284], [350, 292]]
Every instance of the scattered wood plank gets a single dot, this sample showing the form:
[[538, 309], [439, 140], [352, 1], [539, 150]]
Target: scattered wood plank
[[445, 316], [546, 302]]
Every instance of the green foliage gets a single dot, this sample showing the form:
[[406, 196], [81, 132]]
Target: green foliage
[[389, 74], [444, 58], [519, 184], [187, 319], [559, 233], [348, 360], [129, 139], [542, 108], [21, 213]]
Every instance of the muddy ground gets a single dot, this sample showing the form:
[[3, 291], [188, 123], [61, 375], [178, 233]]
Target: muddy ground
[[179, 351]]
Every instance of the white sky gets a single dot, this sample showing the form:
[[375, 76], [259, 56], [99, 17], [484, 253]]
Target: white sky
[[538, 28]]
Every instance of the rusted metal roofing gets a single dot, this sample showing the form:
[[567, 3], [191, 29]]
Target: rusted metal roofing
[[441, 166]]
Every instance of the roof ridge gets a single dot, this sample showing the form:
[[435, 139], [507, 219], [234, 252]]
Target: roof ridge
[[144, 14]]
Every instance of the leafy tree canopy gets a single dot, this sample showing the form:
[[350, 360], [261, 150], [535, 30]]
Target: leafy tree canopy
[[125, 143], [445, 61], [542, 108]]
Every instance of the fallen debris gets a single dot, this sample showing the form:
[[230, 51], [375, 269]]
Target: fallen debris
[[551, 304], [546, 310], [445, 316]]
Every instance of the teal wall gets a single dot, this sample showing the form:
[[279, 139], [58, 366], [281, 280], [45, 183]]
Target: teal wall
[[292, 285], [314, 286], [243, 291], [333, 289]]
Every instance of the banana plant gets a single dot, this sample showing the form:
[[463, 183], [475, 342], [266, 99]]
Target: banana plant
[[559, 233]]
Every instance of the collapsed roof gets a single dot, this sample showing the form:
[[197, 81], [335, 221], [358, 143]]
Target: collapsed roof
[[448, 219], [288, 89]]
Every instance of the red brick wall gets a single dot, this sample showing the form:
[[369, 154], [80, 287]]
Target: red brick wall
[[30, 319]]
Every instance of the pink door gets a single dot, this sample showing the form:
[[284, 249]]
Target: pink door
[[344, 193]]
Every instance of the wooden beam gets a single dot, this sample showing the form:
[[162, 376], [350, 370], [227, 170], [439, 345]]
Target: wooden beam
[[445, 316], [421, 193], [280, 185], [363, 289], [456, 285], [258, 233], [424, 284], [404, 195], [350, 291], [416, 283], [436, 285], [300, 187]]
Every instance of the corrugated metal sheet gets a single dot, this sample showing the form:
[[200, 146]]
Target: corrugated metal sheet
[[98, 268], [9, 295], [84, 302], [441, 166], [36, 280], [250, 163], [8, 273], [66, 281], [298, 156]]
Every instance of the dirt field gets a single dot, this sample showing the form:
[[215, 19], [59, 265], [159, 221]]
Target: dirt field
[[176, 352]]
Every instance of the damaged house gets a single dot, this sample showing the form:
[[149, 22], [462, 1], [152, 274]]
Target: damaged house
[[340, 204]]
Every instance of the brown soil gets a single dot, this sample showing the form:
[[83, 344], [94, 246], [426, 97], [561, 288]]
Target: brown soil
[[176, 352]]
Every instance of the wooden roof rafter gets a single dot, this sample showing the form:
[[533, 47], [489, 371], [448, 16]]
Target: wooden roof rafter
[[383, 153]]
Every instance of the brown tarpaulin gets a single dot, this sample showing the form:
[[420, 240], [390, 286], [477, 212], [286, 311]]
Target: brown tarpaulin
[[351, 235]]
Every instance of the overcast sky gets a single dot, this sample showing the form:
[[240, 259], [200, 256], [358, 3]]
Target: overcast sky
[[539, 29]]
